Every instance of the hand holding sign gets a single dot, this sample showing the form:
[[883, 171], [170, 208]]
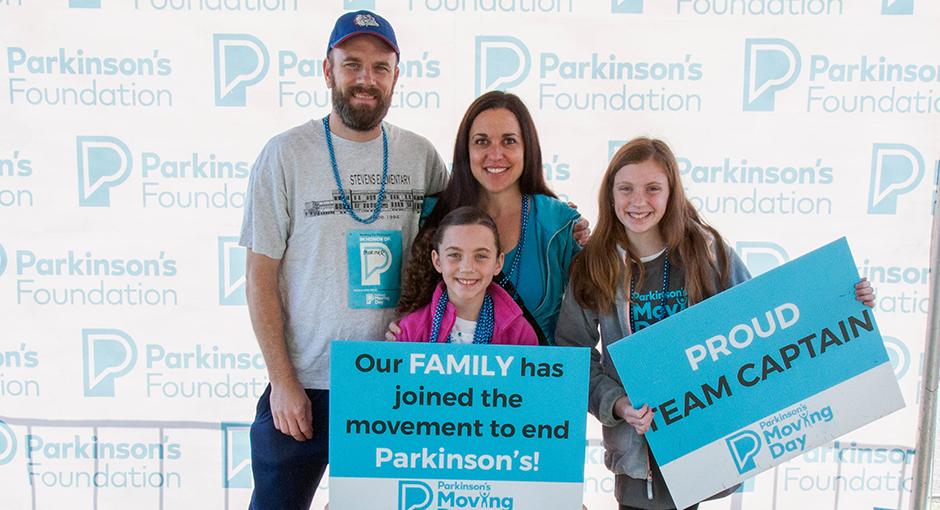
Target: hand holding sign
[[640, 419], [760, 373]]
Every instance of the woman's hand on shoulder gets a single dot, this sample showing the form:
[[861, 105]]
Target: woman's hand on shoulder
[[582, 229]]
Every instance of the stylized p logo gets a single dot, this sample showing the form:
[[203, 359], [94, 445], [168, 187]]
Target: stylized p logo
[[236, 456], [232, 259], [899, 355], [358, 5], [375, 259], [241, 60], [744, 447], [7, 443], [626, 6], [770, 65], [414, 495], [103, 163], [896, 169], [760, 256], [897, 7], [107, 355], [3, 260], [613, 146], [502, 62]]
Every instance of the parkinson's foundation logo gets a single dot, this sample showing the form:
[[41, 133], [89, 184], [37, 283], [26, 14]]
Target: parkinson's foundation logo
[[414, 495], [613, 146], [232, 261], [3, 260], [356, 5], [107, 354], [761, 256], [7, 443], [626, 6], [502, 62], [744, 446], [374, 266], [236, 456], [375, 259], [103, 163], [897, 7], [899, 356], [770, 65], [896, 169], [241, 60]]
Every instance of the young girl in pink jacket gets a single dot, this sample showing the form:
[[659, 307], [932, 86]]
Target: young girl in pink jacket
[[465, 305]]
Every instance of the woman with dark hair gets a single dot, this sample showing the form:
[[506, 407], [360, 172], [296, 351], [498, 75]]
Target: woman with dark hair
[[498, 168]]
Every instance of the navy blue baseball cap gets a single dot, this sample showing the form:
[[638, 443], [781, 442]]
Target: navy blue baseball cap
[[362, 22]]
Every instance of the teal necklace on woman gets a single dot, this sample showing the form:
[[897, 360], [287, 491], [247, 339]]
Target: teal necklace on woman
[[514, 267]]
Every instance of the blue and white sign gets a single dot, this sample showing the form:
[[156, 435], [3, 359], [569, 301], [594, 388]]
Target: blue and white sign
[[456, 426], [759, 374], [374, 258]]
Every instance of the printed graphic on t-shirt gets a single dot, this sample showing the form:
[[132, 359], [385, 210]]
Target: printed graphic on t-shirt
[[363, 201], [647, 308], [374, 260]]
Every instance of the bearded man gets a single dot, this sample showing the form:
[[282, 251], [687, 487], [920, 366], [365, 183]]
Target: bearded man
[[332, 207]]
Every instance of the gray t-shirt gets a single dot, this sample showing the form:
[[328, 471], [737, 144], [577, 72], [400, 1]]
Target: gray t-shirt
[[339, 278]]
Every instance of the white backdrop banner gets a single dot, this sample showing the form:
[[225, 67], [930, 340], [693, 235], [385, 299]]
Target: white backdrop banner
[[128, 368]]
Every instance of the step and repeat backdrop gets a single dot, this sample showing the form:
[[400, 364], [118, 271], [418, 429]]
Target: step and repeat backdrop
[[128, 368]]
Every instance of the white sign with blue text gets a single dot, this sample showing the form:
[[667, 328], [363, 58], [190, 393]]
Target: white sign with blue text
[[759, 374], [440, 426]]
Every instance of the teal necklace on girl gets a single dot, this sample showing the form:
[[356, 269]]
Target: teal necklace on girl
[[524, 225], [339, 182], [662, 300], [483, 334]]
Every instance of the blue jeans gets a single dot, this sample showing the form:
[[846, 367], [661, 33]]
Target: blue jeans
[[286, 471]]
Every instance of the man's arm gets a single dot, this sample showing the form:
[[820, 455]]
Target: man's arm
[[290, 407]]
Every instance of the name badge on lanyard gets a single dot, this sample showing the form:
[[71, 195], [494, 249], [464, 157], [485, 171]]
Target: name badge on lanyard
[[374, 261]]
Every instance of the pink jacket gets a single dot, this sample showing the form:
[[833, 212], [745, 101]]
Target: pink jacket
[[510, 326]]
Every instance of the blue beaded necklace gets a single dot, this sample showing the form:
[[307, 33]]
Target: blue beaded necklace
[[662, 300], [483, 334], [524, 222], [339, 182]]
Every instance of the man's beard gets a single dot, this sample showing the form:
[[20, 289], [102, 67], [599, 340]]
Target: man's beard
[[360, 118]]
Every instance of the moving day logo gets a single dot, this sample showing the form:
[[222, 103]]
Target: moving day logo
[[107, 355], [236, 456], [896, 169], [7, 443], [103, 163], [770, 65], [761, 256], [744, 446], [232, 260], [502, 62], [240, 61], [414, 495]]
